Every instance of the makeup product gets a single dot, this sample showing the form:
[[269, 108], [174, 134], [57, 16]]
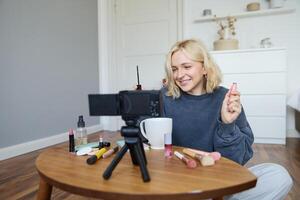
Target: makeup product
[[190, 163], [91, 160], [71, 141], [81, 132], [103, 143], [91, 144], [205, 160], [93, 152], [215, 155], [233, 88], [84, 151], [168, 145], [110, 152]]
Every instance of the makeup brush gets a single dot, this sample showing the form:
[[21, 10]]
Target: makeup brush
[[215, 155], [205, 160]]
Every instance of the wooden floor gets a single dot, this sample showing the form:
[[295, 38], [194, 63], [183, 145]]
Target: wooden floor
[[19, 178]]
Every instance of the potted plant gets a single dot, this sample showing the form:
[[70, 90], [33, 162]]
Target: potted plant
[[226, 34]]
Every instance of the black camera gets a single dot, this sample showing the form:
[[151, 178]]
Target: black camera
[[129, 104]]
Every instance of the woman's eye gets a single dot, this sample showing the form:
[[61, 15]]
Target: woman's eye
[[174, 69], [187, 67]]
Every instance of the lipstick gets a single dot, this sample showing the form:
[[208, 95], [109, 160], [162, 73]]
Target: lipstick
[[190, 163], [71, 141]]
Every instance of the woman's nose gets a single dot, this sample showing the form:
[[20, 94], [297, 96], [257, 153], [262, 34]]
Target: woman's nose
[[180, 73]]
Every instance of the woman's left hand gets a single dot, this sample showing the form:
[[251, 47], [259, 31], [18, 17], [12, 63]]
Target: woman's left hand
[[231, 107]]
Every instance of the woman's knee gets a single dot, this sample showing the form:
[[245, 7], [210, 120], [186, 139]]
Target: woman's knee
[[273, 176]]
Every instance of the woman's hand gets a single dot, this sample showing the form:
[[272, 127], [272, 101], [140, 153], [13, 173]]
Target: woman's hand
[[231, 107]]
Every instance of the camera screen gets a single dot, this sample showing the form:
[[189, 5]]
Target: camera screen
[[104, 104], [135, 104]]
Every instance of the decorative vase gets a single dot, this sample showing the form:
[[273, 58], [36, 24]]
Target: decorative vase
[[226, 44]]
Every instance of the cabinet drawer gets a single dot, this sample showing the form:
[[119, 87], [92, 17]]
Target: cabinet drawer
[[261, 83], [264, 105], [268, 127], [249, 62]]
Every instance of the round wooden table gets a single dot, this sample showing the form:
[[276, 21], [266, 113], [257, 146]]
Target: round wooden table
[[170, 178]]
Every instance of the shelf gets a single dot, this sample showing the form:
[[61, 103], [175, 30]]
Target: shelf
[[248, 14], [248, 50]]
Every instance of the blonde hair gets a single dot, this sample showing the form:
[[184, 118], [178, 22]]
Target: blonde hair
[[197, 52]]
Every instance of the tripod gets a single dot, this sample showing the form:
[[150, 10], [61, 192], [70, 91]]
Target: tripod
[[135, 145]]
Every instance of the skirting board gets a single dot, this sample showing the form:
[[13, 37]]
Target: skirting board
[[293, 133], [19, 149], [269, 140]]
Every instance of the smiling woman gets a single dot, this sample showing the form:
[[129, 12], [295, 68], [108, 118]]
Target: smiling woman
[[188, 64], [211, 118], [188, 74]]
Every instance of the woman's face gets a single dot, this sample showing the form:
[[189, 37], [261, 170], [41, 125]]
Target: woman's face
[[188, 74]]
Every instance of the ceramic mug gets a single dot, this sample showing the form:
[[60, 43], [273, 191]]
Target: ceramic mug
[[154, 130]]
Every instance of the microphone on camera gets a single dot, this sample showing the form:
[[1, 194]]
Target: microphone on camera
[[138, 86]]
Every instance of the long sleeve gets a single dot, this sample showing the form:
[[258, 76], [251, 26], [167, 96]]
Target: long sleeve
[[234, 140]]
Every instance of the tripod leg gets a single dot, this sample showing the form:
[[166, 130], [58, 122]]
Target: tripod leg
[[143, 151], [141, 160], [107, 173], [131, 142]]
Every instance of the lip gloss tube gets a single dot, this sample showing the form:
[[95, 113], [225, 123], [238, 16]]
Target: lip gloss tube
[[168, 145], [233, 88], [190, 163]]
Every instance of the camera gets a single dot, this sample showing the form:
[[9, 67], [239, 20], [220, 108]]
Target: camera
[[130, 104]]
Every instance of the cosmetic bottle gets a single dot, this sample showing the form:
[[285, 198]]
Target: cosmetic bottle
[[168, 145], [81, 132], [71, 141]]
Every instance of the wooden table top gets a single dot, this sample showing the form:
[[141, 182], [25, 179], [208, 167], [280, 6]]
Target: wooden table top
[[170, 178]]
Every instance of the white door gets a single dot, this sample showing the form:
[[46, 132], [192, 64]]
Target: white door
[[145, 31]]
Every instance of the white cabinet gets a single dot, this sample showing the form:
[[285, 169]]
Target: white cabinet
[[261, 78]]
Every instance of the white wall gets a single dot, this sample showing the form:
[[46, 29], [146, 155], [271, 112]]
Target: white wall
[[283, 29]]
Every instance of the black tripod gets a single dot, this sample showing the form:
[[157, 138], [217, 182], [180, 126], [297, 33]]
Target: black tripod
[[133, 142]]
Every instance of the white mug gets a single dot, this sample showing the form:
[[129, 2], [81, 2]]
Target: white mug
[[154, 130]]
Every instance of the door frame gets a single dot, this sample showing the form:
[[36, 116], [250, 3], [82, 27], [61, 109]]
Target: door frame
[[107, 49]]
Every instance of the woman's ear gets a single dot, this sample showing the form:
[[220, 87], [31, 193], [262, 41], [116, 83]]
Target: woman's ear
[[204, 70]]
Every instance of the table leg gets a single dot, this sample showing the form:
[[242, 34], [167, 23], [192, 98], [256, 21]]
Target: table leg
[[45, 190]]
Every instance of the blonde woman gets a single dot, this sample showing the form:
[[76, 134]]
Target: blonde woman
[[209, 117]]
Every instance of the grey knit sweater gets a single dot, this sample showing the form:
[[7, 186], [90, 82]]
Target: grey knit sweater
[[197, 124]]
